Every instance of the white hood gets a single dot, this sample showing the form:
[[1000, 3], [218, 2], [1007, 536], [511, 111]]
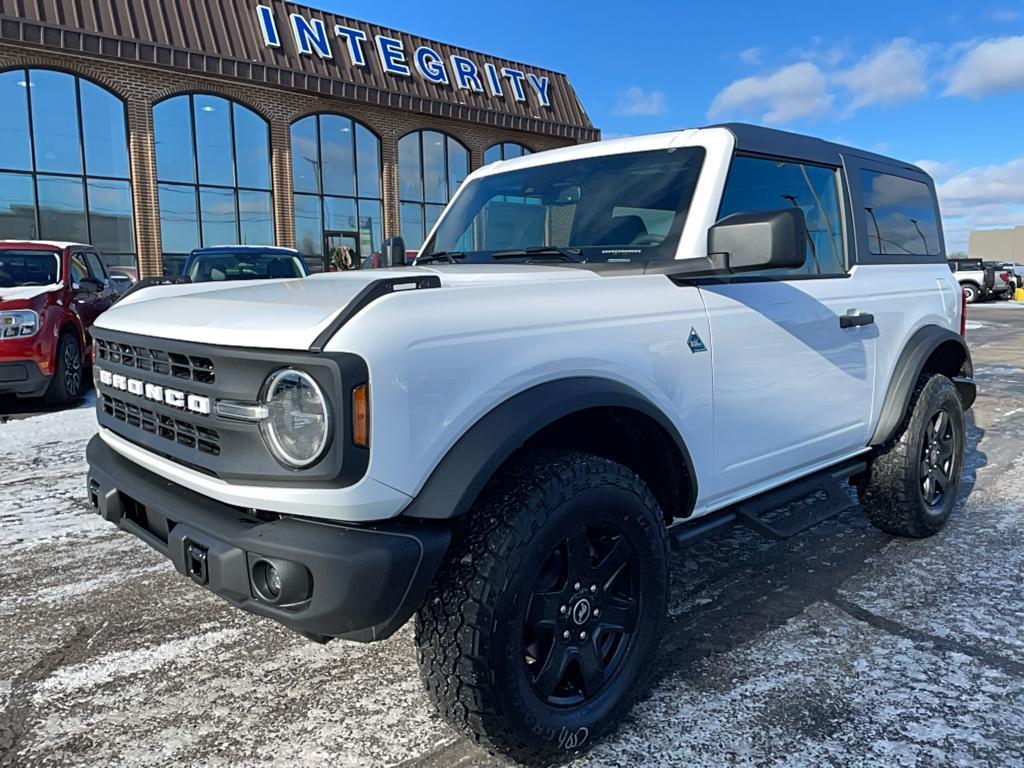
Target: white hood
[[25, 293], [285, 314]]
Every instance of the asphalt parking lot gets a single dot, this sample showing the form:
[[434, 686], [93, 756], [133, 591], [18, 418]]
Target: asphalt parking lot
[[839, 647]]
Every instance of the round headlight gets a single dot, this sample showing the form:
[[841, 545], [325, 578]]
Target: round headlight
[[297, 423]]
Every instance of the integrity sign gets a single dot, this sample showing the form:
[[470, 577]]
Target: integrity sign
[[313, 38]]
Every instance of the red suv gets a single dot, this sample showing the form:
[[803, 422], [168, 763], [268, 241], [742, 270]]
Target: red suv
[[50, 294]]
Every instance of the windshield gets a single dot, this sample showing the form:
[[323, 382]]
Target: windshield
[[27, 268], [212, 267], [628, 207]]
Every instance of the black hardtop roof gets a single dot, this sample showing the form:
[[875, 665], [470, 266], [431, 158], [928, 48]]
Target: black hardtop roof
[[770, 141]]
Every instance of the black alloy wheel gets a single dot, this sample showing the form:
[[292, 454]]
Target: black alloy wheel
[[582, 615], [938, 454]]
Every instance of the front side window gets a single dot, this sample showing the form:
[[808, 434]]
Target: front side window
[[20, 269], [900, 216], [758, 184], [64, 171], [623, 208], [213, 175], [336, 176], [431, 167]]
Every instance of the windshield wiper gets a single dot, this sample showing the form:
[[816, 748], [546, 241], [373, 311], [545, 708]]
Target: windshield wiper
[[574, 255], [449, 257]]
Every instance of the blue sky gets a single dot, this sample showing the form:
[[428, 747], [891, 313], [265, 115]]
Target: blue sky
[[940, 83]]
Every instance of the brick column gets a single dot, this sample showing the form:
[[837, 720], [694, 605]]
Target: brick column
[[281, 171], [390, 188], [145, 201]]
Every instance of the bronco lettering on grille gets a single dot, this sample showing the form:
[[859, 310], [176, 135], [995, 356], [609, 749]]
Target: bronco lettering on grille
[[175, 398]]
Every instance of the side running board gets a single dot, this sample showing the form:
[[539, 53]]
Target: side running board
[[821, 495]]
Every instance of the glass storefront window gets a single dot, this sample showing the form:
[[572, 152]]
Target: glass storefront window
[[336, 176], [431, 167], [64, 172], [505, 151], [213, 169]]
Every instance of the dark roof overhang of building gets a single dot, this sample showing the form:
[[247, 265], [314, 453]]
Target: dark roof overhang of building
[[227, 40]]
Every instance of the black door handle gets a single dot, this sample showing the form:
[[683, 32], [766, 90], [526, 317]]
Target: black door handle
[[856, 319]]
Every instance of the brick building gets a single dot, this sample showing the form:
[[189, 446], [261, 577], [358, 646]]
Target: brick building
[[150, 128]]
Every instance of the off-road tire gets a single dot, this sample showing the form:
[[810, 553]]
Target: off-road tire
[[470, 630], [971, 292], [891, 490], [70, 369]]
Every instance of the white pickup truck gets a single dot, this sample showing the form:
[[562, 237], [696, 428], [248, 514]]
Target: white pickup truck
[[603, 351]]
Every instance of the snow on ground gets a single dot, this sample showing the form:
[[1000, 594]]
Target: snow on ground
[[839, 647]]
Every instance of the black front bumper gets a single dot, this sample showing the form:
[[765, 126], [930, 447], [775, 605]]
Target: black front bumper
[[363, 583], [23, 378]]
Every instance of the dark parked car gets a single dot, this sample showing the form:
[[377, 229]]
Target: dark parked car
[[244, 262]]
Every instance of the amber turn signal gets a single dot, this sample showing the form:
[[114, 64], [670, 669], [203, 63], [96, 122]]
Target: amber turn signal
[[361, 416]]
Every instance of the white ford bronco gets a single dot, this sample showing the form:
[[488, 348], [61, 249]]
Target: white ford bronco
[[602, 352]]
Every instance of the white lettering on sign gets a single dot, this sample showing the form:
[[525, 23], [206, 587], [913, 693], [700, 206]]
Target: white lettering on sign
[[312, 39]]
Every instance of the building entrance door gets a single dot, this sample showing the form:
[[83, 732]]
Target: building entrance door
[[335, 245]]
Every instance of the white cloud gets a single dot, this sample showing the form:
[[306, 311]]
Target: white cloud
[[751, 56], [794, 91], [981, 197], [937, 169], [1004, 15], [892, 74], [637, 101], [990, 66]]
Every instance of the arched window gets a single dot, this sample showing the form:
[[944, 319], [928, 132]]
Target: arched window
[[336, 176], [213, 174], [431, 166], [505, 151], [64, 163]]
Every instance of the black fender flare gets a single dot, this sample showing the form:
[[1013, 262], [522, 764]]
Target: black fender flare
[[461, 475], [908, 370]]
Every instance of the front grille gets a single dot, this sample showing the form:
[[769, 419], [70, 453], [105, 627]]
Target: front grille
[[180, 366], [176, 430]]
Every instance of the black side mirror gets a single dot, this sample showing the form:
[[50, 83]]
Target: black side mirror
[[90, 285], [393, 252], [761, 240]]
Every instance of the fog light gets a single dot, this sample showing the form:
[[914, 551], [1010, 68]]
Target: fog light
[[279, 582]]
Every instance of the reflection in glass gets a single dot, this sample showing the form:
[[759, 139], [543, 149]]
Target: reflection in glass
[[231, 147], [218, 216], [55, 122], [336, 160], [337, 144], [103, 127], [213, 141], [412, 225], [308, 226], [410, 168], [367, 162], [62, 209], [305, 157], [435, 187], [17, 207], [172, 131], [252, 145], [256, 217], [179, 220], [458, 167], [15, 147], [110, 216]]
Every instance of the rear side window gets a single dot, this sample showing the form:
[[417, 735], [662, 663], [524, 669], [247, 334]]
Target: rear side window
[[900, 214], [758, 184]]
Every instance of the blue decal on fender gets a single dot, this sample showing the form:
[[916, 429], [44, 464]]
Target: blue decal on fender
[[695, 342]]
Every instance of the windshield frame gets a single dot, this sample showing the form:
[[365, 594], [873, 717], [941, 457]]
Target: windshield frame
[[594, 254], [58, 256]]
